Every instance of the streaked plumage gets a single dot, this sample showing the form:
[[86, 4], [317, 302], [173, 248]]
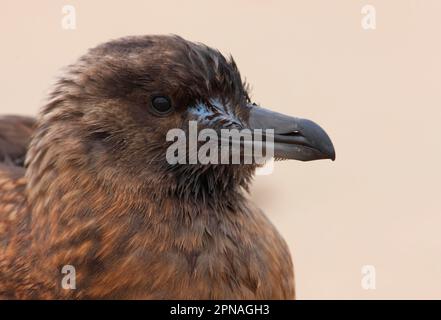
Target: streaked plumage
[[97, 194]]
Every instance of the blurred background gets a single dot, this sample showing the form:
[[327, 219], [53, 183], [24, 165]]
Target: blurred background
[[376, 91]]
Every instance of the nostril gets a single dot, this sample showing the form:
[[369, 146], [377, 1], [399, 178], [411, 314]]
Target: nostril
[[291, 134]]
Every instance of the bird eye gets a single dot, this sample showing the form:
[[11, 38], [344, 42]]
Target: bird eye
[[161, 105]]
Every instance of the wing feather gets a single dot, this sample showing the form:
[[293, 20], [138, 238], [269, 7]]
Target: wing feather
[[15, 134]]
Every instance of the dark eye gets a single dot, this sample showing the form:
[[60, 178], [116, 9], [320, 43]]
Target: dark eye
[[161, 105]]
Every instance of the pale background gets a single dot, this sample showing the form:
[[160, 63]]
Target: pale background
[[377, 93]]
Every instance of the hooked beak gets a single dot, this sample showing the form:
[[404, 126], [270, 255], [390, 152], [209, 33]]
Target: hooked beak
[[294, 138]]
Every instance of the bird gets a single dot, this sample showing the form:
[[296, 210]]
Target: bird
[[86, 183]]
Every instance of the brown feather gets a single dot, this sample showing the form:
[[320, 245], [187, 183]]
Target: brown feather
[[98, 194], [15, 134]]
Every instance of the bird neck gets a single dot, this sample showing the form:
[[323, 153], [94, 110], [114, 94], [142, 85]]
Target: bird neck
[[63, 201]]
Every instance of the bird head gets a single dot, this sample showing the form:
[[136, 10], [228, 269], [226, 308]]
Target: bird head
[[111, 112]]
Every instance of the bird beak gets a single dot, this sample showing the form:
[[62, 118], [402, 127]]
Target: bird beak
[[294, 138]]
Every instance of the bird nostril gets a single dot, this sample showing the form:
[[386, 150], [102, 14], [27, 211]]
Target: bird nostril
[[291, 134]]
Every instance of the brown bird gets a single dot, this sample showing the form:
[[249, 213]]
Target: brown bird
[[97, 193]]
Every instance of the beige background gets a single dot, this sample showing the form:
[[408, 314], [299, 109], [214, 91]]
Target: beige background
[[376, 92]]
